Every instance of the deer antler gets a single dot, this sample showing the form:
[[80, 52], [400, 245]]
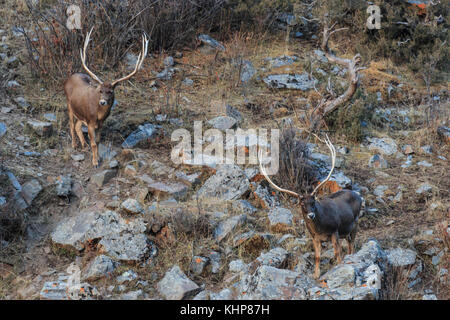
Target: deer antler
[[270, 181], [139, 62], [333, 161], [83, 57]]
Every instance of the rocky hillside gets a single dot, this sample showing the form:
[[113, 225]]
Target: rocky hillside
[[143, 227]]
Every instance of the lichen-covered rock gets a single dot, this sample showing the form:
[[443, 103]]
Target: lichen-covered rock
[[141, 137], [386, 146], [229, 183], [121, 239], [43, 129], [176, 285], [103, 177], [227, 226], [101, 266], [270, 283], [280, 219], [132, 206], [399, 257], [30, 190], [290, 81]]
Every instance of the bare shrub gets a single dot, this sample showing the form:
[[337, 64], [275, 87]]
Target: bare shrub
[[295, 172], [54, 48]]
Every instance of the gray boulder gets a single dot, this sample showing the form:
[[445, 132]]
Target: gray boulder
[[227, 226], [121, 239], [142, 136], [101, 266], [288, 81], [176, 285], [229, 183], [386, 146]]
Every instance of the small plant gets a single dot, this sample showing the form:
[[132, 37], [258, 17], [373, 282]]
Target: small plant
[[295, 172]]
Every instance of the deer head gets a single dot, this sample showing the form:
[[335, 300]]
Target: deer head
[[106, 89], [307, 202]]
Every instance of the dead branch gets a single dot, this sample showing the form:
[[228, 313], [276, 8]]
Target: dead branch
[[327, 106]]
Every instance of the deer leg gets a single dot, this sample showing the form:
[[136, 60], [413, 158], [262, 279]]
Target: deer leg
[[336, 246], [351, 241], [317, 248], [72, 131], [80, 133], [91, 131]]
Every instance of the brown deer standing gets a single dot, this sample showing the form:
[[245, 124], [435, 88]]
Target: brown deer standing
[[333, 217], [91, 104]]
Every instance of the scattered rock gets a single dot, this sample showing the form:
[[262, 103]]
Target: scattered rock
[[77, 157], [132, 295], [12, 62], [101, 178], [237, 266], [43, 129], [132, 206], [121, 239], [2, 129], [127, 276], [407, 149], [243, 206], [101, 266], [213, 43], [176, 286], [63, 186], [378, 161], [166, 74], [229, 183], [379, 190], [247, 70], [191, 179], [198, 264], [424, 163], [172, 189], [234, 113], [188, 82], [130, 170], [444, 133], [401, 257], [22, 102], [287, 81], [168, 61], [280, 219], [225, 227], [270, 283], [264, 198], [321, 55], [424, 188], [30, 190], [276, 257], [106, 153], [429, 297], [281, 61], [50, 117], [223, 122], [386, 146], [142, 137]]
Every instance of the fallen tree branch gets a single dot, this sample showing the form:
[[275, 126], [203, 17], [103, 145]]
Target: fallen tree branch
[[325, 107]]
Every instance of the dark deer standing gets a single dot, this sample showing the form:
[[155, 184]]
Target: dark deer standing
[[91, 104], [333, 217]]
